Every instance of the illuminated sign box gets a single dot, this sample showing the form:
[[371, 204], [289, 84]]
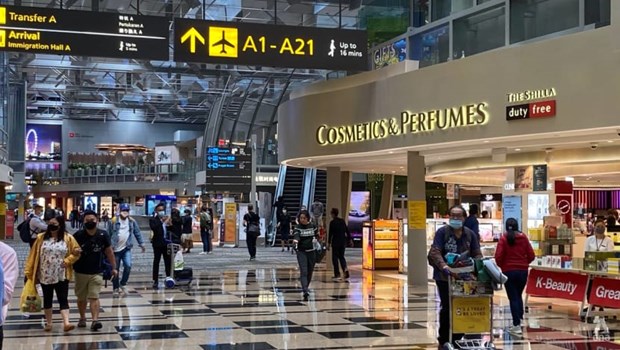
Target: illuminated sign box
[[270, 45], [83, 33]]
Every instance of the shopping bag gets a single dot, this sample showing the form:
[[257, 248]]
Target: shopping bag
[[30, 299], [179, 262]]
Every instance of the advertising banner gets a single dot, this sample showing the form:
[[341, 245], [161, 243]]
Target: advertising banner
[[471, 315], [561, 285], [230, 218], [511, 208], [605, 292], [9, 224], [540, 177]]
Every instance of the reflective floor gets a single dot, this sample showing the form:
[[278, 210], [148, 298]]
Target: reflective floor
[[235, 304]]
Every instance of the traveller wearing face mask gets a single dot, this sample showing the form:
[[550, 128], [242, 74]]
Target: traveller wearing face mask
[[121, 230], [513, 255], [96, 247], [457, 239], [161, 225], [51, 263]]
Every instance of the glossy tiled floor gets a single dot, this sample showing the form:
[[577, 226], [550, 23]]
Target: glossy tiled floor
[[234, 304]]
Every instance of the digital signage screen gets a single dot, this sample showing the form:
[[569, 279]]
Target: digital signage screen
[[359, 211], [43, 142], [153, 200]]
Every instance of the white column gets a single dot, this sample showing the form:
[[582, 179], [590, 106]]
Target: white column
[[417, 263]]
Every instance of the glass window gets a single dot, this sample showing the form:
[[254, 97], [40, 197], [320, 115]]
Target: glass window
[[480, 32], [532, 19], [444, 8], [431, 47], [597, 12]]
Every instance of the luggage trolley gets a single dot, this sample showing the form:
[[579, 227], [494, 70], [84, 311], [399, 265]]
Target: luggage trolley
[[181, 277], [471, 311]]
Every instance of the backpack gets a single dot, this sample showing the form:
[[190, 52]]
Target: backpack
[[24, 231]]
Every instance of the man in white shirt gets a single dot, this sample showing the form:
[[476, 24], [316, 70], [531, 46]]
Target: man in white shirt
[[10, 271], [37, 225], [121, 229]]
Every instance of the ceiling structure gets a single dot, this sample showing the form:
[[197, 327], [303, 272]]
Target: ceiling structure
[[242, 98]]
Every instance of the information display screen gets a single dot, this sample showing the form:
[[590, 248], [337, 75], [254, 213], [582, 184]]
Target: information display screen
[[83, 33], [270, 45]]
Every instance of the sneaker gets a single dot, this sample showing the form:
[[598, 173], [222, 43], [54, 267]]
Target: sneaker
[[82, 323], [95, 326], [202, 253], [516, 330], [116, 292]]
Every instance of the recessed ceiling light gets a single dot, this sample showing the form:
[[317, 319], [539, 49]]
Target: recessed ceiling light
[[517, 149]]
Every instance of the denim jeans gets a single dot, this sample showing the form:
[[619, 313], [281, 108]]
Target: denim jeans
[[124, 256], [514, 289]]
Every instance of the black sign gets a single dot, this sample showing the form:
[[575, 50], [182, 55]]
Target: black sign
[[83, 33], [269, 45], [540, 177]]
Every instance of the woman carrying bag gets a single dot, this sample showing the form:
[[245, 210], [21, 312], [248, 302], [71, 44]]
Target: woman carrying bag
[[513, 255], [50, 263]]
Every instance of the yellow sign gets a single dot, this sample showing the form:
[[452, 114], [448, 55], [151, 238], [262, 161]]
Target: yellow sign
[[2, 15], [417, 215], [2, 38], [230, 222], [472, 114], [223, 42], [192, 35], [471, 315]]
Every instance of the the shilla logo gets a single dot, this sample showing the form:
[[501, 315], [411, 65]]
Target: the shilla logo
[[540, 109]]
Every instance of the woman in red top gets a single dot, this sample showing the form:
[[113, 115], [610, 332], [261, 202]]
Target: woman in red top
[[513, 255]]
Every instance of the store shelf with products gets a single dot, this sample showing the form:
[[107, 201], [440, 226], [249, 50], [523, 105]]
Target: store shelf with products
[[381, 243], [554, 238]]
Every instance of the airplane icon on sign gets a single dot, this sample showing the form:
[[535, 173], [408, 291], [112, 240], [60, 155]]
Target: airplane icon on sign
[[223, 42]]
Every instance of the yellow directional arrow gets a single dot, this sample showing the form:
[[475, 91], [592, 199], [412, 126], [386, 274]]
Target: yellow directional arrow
[[192, 34]]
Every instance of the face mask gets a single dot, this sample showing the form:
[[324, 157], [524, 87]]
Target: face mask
[[456, 224], [53, 227], [599, 230], [124, 215], [90, 225], [161, 213]]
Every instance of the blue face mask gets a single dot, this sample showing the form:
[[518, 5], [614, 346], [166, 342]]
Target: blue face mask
[[456, 224]]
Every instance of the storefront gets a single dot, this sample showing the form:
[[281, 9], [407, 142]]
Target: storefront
[[490, 120]]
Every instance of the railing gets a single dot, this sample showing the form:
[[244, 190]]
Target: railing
[[119, 174]]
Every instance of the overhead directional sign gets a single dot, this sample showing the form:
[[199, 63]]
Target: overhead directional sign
[[270, 45], [83, 33]]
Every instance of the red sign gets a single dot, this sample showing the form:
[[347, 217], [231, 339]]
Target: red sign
[[562, 285], [542, 109], [605, 292], [9, 224]]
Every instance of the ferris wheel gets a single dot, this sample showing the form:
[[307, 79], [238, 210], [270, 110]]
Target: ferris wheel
[[32, 139]]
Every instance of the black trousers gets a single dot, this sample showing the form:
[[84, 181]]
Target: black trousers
[[157, 254], [444, 314], [62, 293], [338, 257], [251, 242]]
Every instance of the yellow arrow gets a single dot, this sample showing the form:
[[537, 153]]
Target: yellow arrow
[[193, 35]]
